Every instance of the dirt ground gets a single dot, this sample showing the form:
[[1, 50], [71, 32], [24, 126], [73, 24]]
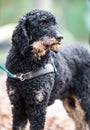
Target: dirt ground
[[56, 118]]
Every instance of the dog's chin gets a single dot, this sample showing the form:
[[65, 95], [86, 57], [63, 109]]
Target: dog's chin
[[38, 49], [54, 47], [38, 53]]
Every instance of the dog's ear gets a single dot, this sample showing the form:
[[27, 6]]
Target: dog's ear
[[20, 38]]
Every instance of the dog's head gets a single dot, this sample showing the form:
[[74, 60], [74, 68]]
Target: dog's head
[[37, 31]]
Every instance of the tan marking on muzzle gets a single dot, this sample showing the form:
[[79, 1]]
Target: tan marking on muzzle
[[39, 48], [52, 44]]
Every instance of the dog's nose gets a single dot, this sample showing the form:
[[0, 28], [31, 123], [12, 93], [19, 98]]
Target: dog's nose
[[56, 33], [59, 37]]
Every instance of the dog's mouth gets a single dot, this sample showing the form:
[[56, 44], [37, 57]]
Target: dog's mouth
[[39, 48], [52, 44]]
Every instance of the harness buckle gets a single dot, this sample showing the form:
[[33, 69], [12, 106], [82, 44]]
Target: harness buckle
[[21, 77]]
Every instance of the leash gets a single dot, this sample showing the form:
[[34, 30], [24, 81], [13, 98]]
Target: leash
[[48, 68], [8, 72]]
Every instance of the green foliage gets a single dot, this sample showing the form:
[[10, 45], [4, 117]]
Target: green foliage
[[76, 18], [11, 10]]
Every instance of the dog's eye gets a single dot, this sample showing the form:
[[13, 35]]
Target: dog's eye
[[43, 22]]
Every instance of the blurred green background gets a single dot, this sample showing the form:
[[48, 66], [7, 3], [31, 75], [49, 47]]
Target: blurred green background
[[73, 17]]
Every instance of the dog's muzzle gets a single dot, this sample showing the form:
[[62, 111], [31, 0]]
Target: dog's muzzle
[[39, 48], [54, 30]]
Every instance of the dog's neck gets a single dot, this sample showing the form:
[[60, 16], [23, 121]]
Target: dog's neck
[[33, 63]]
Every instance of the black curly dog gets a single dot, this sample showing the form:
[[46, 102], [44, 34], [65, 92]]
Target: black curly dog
[[34, 43]]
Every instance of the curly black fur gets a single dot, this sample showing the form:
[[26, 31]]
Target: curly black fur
[[72, 63]]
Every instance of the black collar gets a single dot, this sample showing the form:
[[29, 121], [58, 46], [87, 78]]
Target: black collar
[[48, 68]]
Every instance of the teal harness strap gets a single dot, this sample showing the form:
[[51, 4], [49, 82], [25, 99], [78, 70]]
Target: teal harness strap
[[8, 72]]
